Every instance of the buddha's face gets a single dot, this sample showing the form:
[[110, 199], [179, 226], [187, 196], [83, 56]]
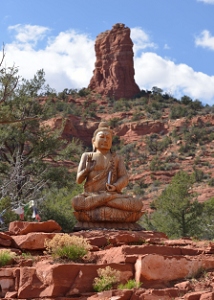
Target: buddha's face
[[103, 140]]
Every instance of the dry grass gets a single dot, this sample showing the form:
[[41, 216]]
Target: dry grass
[[107, 278], [67, 247]]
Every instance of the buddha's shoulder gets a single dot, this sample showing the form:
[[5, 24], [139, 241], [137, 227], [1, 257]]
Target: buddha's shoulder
[[116, 156], [86, 154]]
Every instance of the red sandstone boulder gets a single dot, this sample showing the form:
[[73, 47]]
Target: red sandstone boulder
[[150, 257], [103, 238], [207, 296], [22, 227], [113, 294], [184, 286], [194, 296], [46, 279], [5, 239], [114, 67], [161, 268], [7, 280], [32, 241]]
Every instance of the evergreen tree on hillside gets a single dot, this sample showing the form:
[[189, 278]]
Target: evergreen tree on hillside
[[208, 220], [177, 212], [8, 79], [29, 149]]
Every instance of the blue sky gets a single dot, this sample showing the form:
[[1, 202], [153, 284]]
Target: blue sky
[[173, 41]]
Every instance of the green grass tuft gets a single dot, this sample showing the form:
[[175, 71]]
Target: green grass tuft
[[6, 257]]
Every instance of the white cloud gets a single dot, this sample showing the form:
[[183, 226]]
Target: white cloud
[[205, 40], [207, 1], [141, 40], [178, 79], [68, 60], [28, 33]]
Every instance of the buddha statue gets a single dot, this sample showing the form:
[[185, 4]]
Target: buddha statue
[[105, 176]]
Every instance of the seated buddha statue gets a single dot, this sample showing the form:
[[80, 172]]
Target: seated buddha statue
[[104, 175]]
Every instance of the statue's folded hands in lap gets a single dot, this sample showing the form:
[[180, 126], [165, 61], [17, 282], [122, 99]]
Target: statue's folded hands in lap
[[105, 176]]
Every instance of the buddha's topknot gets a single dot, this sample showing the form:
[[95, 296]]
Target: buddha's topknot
[[102, 126]]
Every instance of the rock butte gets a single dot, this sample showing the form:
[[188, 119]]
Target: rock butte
[[114, 67]]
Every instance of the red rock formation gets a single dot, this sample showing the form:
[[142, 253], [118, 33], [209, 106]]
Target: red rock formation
[[114, 68], [22, 227], [164, 267], [74, 127]]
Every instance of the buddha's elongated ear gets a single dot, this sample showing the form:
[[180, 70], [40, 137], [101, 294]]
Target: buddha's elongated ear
[[93, 146]]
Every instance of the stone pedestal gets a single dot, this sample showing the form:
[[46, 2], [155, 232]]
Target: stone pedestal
[[107, 225]]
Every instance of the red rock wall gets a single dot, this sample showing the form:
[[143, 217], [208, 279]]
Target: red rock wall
[[164, 268], [114, 66]]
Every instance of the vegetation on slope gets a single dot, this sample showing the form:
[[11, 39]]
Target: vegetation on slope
[[30, 152]]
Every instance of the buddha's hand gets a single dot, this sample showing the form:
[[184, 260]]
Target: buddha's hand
[[90, 163], [110, 187]]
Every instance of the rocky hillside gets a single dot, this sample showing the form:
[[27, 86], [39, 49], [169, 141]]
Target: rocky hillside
[[155, 133]]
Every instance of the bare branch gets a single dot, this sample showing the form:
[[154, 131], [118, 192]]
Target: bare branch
[[3, 56], [19, 120], [20, 186]]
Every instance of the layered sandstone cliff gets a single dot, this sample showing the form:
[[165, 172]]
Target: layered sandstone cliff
[[165, 269], [114, 67]]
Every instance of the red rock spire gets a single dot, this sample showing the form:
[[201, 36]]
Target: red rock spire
[[114, 67]]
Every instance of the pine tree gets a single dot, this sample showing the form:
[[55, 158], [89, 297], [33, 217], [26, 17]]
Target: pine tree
[[177, 211], [29, 149], [208, 219]]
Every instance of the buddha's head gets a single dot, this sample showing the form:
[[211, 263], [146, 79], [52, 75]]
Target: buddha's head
[[102, 138]]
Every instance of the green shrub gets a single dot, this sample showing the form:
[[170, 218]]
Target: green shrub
[[178, 111], [137, 115], [131, 284], [6, 257], [187, 149], [155, 164], [107, 278], [156, 115], [8, 215], [138, 190], [211, 182], [121, 105], [113, 122], [27, 255], [84, 92], [71, 252], [67, 247], [57, 207], [90, 110], [117, 144], [197, 175]]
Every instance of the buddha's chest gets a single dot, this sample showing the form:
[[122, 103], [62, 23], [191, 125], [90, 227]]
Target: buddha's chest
[[102, 162]]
